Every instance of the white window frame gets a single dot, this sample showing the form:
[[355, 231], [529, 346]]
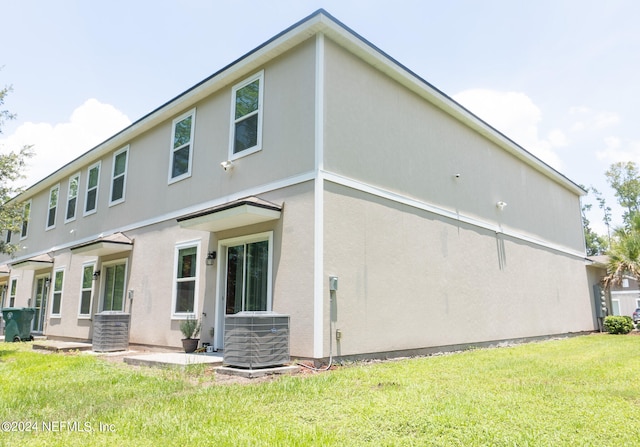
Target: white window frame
[[232, 134], [172, 149], [51, 226], [75, 177], [4, 290], [103, 275], [123, 176], [86, 212], [615, 306], [92, 289], [185, 315], [53, 292], [26, 217], [13, 292]]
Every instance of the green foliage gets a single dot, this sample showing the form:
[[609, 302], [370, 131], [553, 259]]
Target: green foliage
[[624, 253], [595, 244], [617, 324], [12, 164], [624, 178], [190, 327]]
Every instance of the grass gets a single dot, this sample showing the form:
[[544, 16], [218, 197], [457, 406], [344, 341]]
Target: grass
[[582, 391]]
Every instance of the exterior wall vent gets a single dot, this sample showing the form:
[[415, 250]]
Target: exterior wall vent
[[256, 339]]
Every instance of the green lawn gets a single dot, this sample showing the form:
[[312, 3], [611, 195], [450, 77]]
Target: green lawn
[[582, 391]]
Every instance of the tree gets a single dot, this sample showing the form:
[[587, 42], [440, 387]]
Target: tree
[[595, 244], [624, 253], [624, 178], [606, 210], [12, 164]]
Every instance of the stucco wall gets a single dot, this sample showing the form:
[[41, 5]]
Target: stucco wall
[[409, 279], [382, 134], [287, 151]]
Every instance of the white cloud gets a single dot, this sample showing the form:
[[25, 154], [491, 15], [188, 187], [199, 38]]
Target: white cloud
[[616, 149], [587, 119], [57, 144], [515, 115]]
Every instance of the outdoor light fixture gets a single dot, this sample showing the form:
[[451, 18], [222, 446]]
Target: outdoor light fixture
[[501, 205], [227, 165], [211, 257], [96, 275]]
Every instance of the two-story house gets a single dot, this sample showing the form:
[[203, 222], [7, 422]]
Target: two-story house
[[315, 155]]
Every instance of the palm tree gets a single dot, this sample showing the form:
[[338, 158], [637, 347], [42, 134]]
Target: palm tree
[[624, 253]]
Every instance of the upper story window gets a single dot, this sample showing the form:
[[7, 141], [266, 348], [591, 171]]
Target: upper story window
[[119, 176], [53, 207], [246, 110], [182, 132], [72, 197], [93, 179], [26, 214]]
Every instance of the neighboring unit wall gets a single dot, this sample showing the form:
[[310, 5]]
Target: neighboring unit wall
[[410, 279]]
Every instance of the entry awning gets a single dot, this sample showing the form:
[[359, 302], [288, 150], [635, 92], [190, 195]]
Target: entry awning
[[5, 271], [239, 213], [36, 263], [104, 246]]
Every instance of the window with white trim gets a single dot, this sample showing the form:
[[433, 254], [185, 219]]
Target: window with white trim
[[12, 292], [53, 207], [182, 132], [93, 179], [26, 215], [3, 295], [72, 197], [186, 268], [119, 176], [114, 286], [246, 113], [86, 290], [56, 300]]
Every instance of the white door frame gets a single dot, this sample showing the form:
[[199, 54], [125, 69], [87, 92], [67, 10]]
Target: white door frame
[[46, 277], [221, 279]]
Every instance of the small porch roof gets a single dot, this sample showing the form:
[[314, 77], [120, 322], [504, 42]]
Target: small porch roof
[[239, 213], [104, 246], [5, 271], [35, 263]]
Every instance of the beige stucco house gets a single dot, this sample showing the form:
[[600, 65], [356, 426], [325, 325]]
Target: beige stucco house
[[315, 155]]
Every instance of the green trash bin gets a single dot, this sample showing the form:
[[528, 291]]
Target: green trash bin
[[17, 323]]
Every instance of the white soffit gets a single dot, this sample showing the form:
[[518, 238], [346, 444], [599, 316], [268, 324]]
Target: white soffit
[[104, 246], [243, 212], [5, 271], [36, 263]]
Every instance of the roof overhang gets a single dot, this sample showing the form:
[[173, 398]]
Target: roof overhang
[[104, 246], [240, 213], [5, 271], [36, 263]]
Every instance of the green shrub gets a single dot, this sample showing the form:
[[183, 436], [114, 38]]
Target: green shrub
[[616, 324]]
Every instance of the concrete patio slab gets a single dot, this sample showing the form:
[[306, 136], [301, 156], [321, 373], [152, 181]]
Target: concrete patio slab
[[60, 346], [164, 359]]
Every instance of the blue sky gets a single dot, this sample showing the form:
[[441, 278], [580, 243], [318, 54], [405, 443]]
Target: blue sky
[[560, 77]]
